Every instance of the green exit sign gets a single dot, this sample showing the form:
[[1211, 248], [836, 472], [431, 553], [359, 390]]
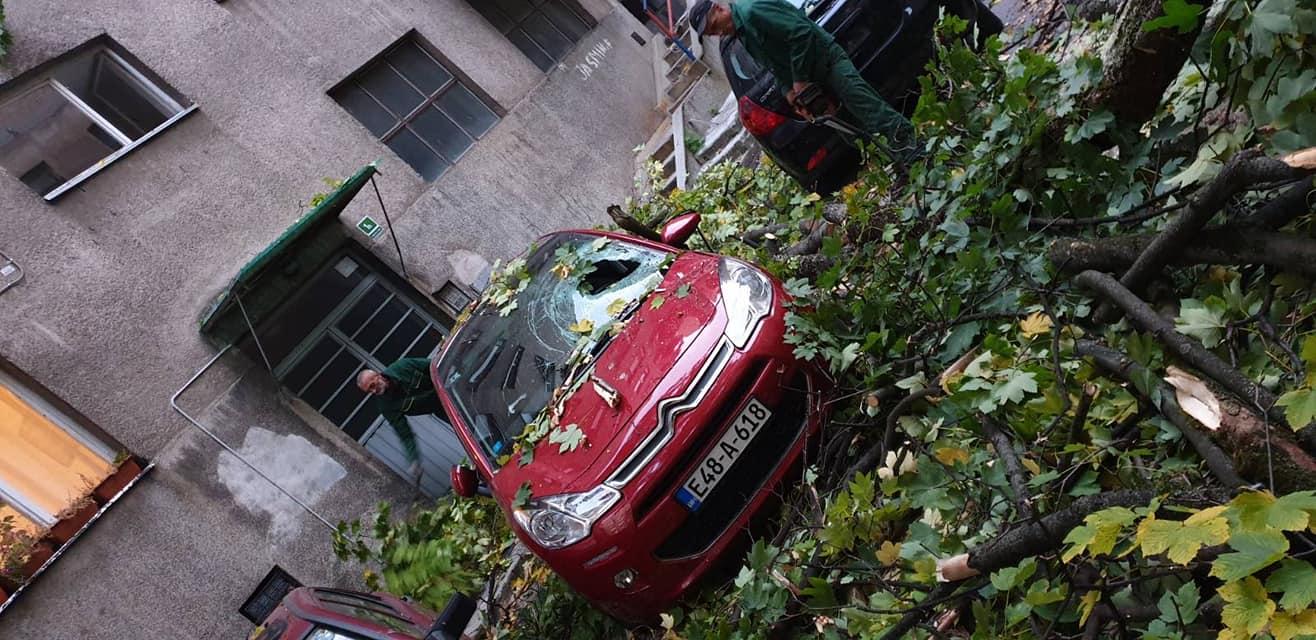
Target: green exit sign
[[368, 226]]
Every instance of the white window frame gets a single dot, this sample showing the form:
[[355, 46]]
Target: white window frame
[[153, 93], [12, 496]]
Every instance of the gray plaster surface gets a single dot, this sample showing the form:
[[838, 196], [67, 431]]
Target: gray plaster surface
[[119, 269]]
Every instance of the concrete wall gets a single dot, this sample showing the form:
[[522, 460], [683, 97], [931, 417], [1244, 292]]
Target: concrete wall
[[118, 270]]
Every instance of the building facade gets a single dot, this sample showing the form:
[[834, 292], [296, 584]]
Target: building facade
[[216, 214]]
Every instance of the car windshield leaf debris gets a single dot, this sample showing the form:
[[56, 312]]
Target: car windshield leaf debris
[[559, 307]]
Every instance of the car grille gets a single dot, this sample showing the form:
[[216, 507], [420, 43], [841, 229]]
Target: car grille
[[743, 480], [734, 399]]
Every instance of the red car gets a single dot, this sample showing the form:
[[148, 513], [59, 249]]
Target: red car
[[334, 614], [631, 406]]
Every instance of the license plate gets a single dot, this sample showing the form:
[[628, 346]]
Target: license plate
[[719, 459]]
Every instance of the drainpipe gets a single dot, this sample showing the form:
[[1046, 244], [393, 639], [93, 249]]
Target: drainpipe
[[173, 402]]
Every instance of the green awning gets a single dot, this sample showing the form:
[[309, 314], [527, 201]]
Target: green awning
[[298, 251]]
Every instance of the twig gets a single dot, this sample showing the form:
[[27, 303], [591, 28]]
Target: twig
[[1131, 216], [1014, 470], [1126, 369]]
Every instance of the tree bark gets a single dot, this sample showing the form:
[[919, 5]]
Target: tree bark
[[1141, 65], [628, 223], [1221, 245]]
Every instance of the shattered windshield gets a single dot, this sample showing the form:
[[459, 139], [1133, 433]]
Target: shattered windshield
[[542, 320]]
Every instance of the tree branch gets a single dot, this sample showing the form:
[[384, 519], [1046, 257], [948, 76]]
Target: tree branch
[[1224, 245], [1014, 470]]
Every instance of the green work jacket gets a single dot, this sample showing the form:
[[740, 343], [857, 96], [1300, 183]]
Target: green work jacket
[[410, 394], [785, 41]]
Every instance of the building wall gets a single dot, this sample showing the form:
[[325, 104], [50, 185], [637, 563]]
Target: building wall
[[118, 270]]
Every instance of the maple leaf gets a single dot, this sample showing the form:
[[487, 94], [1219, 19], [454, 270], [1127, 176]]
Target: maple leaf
[[950, 455], [683, 291], [888, 553], [1087, 604], [1253, 551], [522, 497], [584, 327], [1299, 407], [657, 302], [1181, 541], [1036, 324], [527, 457], [617, 306], [1297, 580], [1248, 609], [568, 438], [1286, 625]]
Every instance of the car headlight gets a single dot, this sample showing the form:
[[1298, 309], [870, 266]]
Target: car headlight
[[563, 520], [747, 296]]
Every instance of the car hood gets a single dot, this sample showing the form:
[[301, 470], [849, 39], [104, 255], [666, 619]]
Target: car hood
[[639, 364]]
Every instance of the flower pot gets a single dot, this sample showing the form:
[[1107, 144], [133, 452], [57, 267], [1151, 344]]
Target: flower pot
[[40, 553], [66, 528], [118, 481]]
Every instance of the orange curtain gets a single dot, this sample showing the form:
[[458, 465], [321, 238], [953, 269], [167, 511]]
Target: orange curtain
[[41, 462]]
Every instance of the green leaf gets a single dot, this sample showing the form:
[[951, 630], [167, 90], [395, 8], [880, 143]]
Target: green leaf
[[1096, 123], [1255, 550], [527, 456], [1296, 579], [1181, 605], [567, 438], [1196, 319], [1248, 608], [1299, 407], [1017, 383], [1178, 15], [683, 291], [657, 302], [1011, 577], [522, 497], [1292, 512]]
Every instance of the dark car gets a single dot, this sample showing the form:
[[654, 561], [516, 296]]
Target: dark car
[[890, 42]]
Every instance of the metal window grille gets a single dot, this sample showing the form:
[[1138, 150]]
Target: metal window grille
[[417, 106]]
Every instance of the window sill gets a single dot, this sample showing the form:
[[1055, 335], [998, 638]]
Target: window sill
[[63, 548], [113, 157]]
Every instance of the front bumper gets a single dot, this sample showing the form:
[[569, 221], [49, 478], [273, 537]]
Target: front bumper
[[666, 547]]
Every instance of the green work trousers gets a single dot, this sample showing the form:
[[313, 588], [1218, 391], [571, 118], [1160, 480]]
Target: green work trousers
[[872, 113]]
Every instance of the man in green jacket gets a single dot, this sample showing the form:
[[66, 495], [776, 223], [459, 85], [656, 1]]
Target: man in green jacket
[[798, 52], [403, 389]]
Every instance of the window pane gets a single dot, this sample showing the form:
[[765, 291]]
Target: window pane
[[442, 134], [351, 322], [364, 108], [565, 19], [546, 35], [359, 422], [426, 344], [381, 325], [343, 367], [494, 15], [47, 140], [310, 364], [467, 110], [418, 67], [516, 10], [390, 89], [41, 462], [309, 307], [421, 158], [123, 100], [345, 402], [396, 344], [532, 50]]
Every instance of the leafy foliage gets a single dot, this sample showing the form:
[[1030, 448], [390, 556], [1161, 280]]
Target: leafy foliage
[[455, 546], [940, 284]]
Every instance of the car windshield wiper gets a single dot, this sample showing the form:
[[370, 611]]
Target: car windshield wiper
[[509, 378], [487, 365]]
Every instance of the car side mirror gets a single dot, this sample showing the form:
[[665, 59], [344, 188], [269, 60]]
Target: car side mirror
[[679, 229], [464, 481]]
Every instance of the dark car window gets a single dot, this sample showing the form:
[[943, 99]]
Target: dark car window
[[501, 370], [745, 71], [365, 608]]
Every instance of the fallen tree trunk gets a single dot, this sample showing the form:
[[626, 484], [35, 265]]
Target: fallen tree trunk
[[1221, 245], [1139, 65]]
